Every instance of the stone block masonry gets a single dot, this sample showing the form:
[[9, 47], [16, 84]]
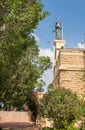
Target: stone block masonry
[[69, 70]]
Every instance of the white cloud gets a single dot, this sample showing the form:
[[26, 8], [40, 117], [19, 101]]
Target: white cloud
[[47, 52], [36, 37], [48, 75], [80, 45]]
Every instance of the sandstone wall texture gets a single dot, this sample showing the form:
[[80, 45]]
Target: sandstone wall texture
[[69, 70], [14, 116]]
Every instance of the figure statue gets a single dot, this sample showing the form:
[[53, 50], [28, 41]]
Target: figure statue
[[58, 30]]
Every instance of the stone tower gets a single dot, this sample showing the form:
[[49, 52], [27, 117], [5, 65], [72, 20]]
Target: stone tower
[[58, 42], [69, 65]]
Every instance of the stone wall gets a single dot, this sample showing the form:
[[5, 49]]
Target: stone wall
[[26, 128], [72, 80], [73, 57], [70, 70], [14, 116], [22, 128]]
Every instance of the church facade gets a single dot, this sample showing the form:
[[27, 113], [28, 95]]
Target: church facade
[[69, 65]]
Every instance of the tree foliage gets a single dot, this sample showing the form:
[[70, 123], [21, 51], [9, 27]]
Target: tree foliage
[[62, 107], [20, 63]]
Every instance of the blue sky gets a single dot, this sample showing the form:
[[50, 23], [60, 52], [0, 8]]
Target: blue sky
[[72, 16], [71, 13]]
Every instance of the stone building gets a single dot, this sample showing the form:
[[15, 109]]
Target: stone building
[[69, 65]]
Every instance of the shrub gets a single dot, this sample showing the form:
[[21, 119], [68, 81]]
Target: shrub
[[61, 106]]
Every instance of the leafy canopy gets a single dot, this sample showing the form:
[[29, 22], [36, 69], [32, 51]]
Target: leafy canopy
[[21, 67], [62, 107]]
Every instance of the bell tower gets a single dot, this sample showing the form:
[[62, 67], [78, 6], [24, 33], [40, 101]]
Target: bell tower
[[59, 43], [69, 65]]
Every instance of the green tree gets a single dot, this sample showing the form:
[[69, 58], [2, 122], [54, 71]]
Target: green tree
[[62, 107], [83, 112], [20, 64], [50, 87]]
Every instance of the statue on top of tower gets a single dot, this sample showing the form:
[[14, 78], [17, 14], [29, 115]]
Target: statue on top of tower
[[58, 30]]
